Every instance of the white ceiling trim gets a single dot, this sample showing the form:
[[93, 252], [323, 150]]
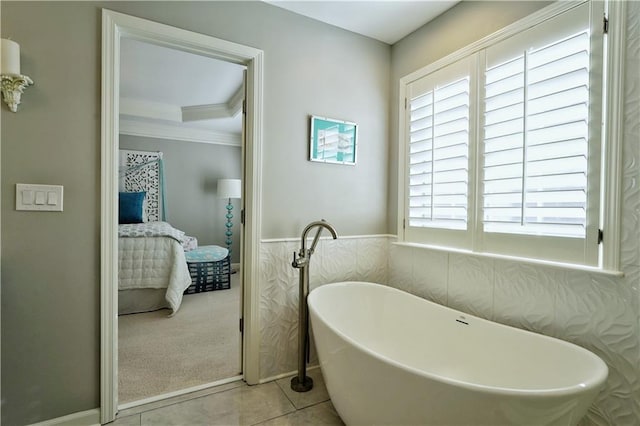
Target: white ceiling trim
[[205, 112], [147, 109], [134, 127], [236, 101]]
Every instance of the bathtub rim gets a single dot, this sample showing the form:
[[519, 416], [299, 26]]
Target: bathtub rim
[[595, 384]]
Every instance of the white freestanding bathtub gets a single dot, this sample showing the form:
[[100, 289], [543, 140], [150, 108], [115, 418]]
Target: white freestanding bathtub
[[392, 358]]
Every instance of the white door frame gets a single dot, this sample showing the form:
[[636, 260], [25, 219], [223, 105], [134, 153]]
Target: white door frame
[[115, 26]]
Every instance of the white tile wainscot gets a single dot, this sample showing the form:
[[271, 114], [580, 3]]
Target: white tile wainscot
[[596, 311], [360, 258]]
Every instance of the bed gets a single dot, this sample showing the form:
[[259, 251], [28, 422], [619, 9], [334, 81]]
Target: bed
[[152, 269]]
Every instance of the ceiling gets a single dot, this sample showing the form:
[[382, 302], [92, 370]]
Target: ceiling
[[165, 92], [169, 90], [387, 21]]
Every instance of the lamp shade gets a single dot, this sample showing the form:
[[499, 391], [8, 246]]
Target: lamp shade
[[229, 188]]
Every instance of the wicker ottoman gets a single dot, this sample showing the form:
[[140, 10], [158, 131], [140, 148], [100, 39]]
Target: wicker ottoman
[[210, 269]]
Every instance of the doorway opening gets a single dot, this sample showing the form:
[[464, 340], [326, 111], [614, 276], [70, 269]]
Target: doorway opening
[[180, 141], [117, 134]]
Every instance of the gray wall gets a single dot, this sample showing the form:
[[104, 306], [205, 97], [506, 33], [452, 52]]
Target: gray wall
[[191, 174], [51, 261], [466, 22]]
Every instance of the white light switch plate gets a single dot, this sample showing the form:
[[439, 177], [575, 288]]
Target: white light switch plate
[[39, 197]]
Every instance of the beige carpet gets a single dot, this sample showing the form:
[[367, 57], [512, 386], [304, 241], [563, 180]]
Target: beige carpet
[[199, 345]]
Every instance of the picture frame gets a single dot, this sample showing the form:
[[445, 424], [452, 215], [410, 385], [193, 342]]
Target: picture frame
[[333, 141]]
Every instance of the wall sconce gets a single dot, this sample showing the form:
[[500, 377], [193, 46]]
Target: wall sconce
[[13, 83]]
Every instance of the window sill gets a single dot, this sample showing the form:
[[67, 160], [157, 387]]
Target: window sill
[[566, 266]]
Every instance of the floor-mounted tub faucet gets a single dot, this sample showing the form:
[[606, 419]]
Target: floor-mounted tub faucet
[[302, 383]]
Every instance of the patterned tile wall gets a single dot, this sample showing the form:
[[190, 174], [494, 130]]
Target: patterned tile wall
[[344, 259], [596, 311]]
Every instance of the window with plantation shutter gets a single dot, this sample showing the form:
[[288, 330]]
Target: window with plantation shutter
[[503, 146], [536, 132]]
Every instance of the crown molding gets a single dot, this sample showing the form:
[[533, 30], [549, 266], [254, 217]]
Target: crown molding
[[211, 111], [138, 108], [134, 127], [205, 112], [235, 102], [147, 109]]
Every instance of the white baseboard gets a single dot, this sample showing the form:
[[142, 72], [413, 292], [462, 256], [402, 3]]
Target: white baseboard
[[83, 418], [289, 374]]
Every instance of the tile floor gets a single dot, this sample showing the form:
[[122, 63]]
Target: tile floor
[[272, 404]]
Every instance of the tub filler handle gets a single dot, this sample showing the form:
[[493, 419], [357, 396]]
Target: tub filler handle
[[302, 383]]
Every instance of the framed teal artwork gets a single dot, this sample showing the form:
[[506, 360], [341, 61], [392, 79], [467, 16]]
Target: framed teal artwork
[[333, 141]]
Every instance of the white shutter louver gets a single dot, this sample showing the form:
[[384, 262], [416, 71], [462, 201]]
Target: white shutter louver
[[535, 141], [439, 156]]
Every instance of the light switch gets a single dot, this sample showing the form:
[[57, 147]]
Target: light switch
[[39, 197], [27, 196], [52, 198]]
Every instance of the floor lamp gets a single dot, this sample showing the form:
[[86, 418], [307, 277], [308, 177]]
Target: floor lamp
[[229, 188]]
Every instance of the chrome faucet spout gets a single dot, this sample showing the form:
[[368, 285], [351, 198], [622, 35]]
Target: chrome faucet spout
[[317, 224]]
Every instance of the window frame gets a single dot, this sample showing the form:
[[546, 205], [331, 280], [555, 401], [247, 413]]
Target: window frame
[[606, 257]]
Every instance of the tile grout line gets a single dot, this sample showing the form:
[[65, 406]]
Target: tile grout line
[[281, 415], [286, 396], [292, 412]]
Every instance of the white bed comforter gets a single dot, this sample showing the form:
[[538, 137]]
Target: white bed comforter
[[153, 262]]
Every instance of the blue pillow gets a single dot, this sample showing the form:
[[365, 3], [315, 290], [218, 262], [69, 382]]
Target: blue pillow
[[130, 206]]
